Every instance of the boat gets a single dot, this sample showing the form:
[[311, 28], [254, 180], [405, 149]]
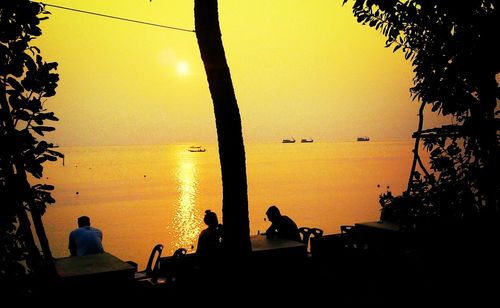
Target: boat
[[304, 140], [364, 138], [196, 149], [292, 140]]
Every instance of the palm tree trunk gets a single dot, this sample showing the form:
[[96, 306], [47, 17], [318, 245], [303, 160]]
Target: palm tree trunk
[[229, 133]]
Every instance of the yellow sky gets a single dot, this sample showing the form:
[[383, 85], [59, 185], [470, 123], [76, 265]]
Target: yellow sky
[[299, 68]]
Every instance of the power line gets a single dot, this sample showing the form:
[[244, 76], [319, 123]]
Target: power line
[[115, 17]]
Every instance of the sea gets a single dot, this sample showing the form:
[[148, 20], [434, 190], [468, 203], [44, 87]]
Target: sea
[[143, 195]]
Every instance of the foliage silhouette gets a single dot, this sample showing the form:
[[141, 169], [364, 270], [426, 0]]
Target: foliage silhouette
[[451, 46], [26, 81]]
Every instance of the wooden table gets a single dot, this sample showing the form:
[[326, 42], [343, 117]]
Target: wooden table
[[265, 247], [262, 248], [87, 278], [378, 226], [100, 266], [379, 235]]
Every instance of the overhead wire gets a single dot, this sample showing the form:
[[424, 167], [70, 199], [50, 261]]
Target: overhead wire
[[115, 17]]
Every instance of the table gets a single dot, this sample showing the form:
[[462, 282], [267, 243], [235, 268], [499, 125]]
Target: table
[[97, 276], [378, 226], [100, 266], [266, 247], [262, 248], [379, 235]]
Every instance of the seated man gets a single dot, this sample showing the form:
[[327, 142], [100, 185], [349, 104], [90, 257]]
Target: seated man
[[85, 240], [281, 226]]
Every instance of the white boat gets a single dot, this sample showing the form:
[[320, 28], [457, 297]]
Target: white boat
[[196, 149]]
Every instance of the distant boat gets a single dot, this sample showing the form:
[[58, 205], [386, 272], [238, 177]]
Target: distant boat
[[196, 149], [364, 138], [306, 140], [288, 140]]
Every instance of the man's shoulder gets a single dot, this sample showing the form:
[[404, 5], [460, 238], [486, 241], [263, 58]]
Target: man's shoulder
[[96, 230], [74, 231], [90, 228], [290, 222]]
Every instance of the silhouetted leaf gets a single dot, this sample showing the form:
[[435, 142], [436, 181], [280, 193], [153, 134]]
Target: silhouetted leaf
[[35, 169], [22, 115], [41, 159], [436, 152], [15, 84], [34, 48], [55, 153], [436, 106], [40, 129], [46, 187], [42, 146], [50, 157], [34, 105]]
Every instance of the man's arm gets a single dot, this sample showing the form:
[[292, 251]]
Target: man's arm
[[271, 231], [72, 246]]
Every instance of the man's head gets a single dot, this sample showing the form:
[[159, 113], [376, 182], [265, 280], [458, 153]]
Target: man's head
[[83, 221], [273, 213]]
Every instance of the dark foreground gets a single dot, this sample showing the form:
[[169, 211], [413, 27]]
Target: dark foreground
[[446, 269]]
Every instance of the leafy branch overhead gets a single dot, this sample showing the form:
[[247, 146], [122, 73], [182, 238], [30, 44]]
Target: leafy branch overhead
[[450, 44]]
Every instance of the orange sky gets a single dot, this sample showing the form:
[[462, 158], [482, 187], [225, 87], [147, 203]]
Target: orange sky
[[299, 68]]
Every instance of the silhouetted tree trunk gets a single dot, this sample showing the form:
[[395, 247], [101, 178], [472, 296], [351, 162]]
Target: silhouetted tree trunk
[[228, 122], [483, 118]]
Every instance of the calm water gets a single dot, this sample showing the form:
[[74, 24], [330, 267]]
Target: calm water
[[143, 195]]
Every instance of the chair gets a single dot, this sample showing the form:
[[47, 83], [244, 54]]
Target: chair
[[179, 253], [353, 243], [305, 233], [345, 228], [316, 232], [174, 267], [152, 267]]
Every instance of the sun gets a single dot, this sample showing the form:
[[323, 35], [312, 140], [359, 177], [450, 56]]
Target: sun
[[182, 68]]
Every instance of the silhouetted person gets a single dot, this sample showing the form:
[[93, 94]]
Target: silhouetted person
[[210, 239], [282, 226], [85, 240], [209, 255]]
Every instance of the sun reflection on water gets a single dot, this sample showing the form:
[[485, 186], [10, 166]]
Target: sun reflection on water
[[187, 223]]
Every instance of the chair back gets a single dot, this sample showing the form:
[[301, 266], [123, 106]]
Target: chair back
[[316, 232], [345, 228], [305, 233], [154, 259], [180, 253]]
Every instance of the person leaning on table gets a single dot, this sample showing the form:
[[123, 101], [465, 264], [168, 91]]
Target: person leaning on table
[[85, 240], [282, 226]]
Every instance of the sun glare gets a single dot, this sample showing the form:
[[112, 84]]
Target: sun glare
[[182, 68]]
